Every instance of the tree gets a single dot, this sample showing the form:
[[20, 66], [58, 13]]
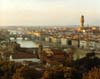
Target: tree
[[26, 73], [94, 73], [59, 72]]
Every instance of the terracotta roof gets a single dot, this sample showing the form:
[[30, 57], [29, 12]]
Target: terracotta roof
[[22, 55], [30, 50], [57, 52], [58, 56]]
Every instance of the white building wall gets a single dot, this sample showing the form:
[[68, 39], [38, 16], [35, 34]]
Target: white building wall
[[83, 44], [92, 44], [63, 41], [47, 39], [29, 59], [54, 40], [98, 45], [74, 42]]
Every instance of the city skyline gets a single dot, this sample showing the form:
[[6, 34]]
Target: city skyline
[[48, 12]]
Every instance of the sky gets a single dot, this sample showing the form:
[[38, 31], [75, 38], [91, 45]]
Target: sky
[[48, 12]]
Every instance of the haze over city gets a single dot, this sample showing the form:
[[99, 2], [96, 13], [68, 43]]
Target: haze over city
[[49, 39], [48, 12]]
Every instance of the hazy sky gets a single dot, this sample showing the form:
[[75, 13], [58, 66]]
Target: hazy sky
[[48, 12]]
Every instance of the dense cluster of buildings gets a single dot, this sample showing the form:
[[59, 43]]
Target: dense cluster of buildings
[[83, 37], [51, 48]]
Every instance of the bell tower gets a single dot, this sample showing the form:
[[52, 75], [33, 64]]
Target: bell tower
[[82, 21]]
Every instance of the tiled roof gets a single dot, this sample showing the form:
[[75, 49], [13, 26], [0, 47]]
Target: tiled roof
[[57, 56], [22, 55], [57, 52], [30, 50]]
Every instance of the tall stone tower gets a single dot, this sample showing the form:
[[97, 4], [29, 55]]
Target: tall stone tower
[[82, 21], [40, 50]]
